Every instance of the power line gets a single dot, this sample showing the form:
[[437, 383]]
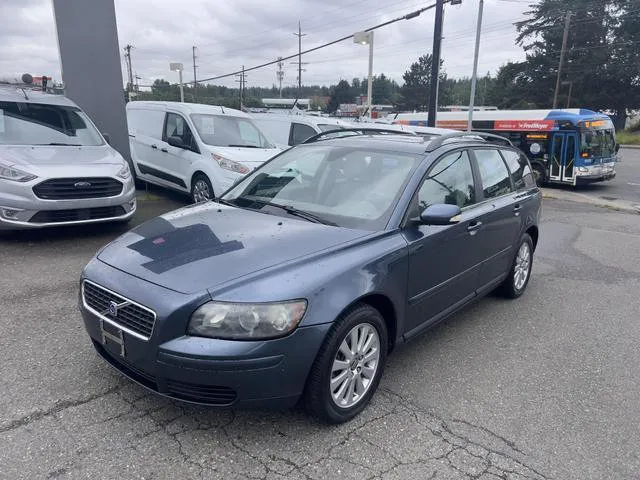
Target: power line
[[408, 16]]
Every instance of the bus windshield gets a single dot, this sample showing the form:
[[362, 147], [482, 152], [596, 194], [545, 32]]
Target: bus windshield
[[599, 143]]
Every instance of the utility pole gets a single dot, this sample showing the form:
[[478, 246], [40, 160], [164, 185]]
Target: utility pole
[[565, 38], [474, 77], [435, 66], [280, 74], [127, 54], [195, 81], [242, 79], [299, 62]]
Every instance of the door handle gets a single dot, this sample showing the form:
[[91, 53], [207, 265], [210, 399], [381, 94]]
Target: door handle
[[154, 146], [164, 150], [474, 227]]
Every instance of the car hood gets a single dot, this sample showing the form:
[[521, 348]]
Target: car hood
[[252, 157], [205, 246], [59, 155]]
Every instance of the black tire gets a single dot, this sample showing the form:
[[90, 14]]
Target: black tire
[[511, 288], [317, 397], [201, 177], [540, 174]]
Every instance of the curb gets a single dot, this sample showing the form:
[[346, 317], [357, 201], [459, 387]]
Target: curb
[[631, 147]]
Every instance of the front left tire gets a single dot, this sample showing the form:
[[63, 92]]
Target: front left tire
[[348, 367]]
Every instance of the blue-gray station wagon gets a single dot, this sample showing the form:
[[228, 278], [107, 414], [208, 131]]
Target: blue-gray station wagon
[[295, 284]]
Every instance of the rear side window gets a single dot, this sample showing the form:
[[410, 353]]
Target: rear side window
[[450, 181], [520, 169], [496, 178], [300, 133], [146, 122]]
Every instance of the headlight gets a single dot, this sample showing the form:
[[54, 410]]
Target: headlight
[[246, 321], [125, 171], [15, 174], [230, 164]]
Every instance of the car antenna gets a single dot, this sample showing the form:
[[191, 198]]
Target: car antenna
[[222, 108], [28, 80], [24, 93]]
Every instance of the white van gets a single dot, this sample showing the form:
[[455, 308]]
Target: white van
[[291, 129], [194, 148]]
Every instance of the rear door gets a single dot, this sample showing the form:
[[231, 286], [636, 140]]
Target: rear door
[[499, 216], [444, 261]]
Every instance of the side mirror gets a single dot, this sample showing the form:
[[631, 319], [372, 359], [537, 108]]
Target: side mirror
[[440, 214], [107, 137], [176, 141], [617, 147]]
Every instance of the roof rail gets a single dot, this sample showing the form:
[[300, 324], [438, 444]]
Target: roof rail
[[437, 142], [356, 131]]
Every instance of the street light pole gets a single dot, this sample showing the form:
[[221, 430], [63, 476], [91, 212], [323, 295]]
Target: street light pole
[[565, 37], [366, 38], [370, 81], [474, 77], [178, 67]]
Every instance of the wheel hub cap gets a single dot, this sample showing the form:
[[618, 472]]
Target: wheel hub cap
[[355, 365], [523, 264]]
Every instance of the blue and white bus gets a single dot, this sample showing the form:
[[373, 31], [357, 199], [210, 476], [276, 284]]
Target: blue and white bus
[[572, 146]]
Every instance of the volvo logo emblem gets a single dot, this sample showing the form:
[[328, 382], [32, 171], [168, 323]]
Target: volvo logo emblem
[[113, 308], [81, 184]]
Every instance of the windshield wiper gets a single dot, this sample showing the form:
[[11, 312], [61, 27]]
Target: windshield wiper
[[300, 213], [57, 144], [244, 146], [226, 202]]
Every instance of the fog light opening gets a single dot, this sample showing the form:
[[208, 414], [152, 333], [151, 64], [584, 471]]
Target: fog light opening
[[9, 213]]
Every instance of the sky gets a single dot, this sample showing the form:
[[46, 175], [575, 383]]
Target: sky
[[229, 34]]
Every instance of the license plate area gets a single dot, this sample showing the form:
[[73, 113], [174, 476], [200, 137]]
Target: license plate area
[[112, 338]]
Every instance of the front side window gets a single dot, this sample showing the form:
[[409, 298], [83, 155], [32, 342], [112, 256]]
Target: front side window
[[24, 123], [346, 186], [496, 179], [300, 133], [177, 126], [229, 131], [450, 182], [520, 169]]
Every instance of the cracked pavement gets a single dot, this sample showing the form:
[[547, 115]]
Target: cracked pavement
[[544, 387]]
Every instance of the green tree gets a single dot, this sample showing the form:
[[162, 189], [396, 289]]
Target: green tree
[[417, 84], [601, 60], [341, 93]]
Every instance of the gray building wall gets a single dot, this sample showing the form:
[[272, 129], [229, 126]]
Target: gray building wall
[[90, 59]]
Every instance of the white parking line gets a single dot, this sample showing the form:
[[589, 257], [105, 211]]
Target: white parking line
[[634, 184]]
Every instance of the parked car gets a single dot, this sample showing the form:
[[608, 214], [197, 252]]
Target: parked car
[[55, 166], [300, 280], [193, 148], [287, 130]]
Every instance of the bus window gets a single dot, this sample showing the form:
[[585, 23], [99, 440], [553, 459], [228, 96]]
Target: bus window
[[598, 144]]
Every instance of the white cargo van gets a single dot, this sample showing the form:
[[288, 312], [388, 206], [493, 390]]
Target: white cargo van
[[291, 129], [198, 149]]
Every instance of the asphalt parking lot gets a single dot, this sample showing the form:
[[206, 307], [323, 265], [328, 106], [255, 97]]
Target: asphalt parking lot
[[539, 388]]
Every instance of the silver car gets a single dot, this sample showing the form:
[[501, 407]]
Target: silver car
[[55, 166]]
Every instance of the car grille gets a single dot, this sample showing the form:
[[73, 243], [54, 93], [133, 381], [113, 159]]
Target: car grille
[[73, 188], [210, 394], [77, 214], [130, 316]]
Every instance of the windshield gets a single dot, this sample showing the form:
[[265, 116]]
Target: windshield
[[346, 186], [228, 131], [599, 143], [23, 123]]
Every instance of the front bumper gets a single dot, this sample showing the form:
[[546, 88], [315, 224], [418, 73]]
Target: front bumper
[[20, 208], [595, 174], [269, 373]]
